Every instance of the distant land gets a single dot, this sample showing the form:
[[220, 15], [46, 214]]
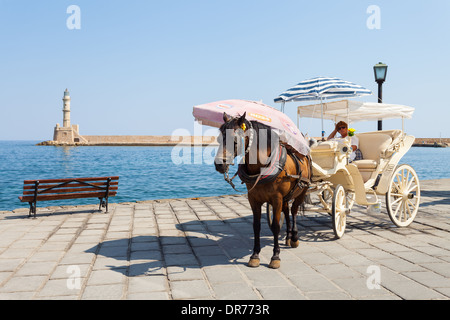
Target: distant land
[[136, 141], [432, 142]]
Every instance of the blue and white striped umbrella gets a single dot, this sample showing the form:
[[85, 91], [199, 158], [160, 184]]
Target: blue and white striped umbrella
[[319, 89], [322, 88]]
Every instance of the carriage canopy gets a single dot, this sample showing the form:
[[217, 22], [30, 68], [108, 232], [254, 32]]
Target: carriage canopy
[[211, 114], [354, 111]]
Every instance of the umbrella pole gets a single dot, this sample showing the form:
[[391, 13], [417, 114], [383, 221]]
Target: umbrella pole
[[321, 116], [348, 115]]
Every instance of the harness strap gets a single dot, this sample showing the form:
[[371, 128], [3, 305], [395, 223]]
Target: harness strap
[[300, 179], [276, 161]]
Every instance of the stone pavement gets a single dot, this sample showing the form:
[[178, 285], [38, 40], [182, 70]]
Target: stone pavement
[[198, 249]]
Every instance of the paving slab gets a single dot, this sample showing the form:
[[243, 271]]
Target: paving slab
[[178, 249]]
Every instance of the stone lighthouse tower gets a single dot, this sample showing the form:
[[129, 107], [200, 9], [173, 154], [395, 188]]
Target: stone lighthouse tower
[[67, 134], [66, 109]]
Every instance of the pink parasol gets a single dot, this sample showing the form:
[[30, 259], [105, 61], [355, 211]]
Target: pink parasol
[[211, 114]]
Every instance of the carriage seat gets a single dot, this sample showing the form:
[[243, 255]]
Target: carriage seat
[[373, 146], [366, 164]]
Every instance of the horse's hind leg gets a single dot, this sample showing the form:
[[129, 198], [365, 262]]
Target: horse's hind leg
[[294, 242], [294, 210], [288, 223]]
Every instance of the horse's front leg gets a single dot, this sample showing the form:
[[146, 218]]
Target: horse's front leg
[[277, 207], [254, 259]]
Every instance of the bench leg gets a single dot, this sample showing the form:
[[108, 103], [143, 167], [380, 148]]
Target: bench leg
[[106, 205], [32, 209], [100, 204], [103, 203]]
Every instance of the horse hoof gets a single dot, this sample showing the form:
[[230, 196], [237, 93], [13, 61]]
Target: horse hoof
[[274, 264], [295, 244], [288, 242], [253, 263]]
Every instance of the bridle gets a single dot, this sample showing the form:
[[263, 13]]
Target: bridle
[[239, 138]]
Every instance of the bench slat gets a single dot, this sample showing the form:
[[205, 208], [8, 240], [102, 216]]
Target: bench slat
[[67, 196], [66, 190], [69, 179], [70, 185]]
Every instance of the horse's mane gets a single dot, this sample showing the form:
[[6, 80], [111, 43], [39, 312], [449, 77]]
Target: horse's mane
[[271, 134], [257, 126]]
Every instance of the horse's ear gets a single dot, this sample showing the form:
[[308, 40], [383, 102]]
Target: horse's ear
[[226, 117], [242, 119]]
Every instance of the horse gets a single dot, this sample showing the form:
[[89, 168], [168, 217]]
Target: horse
[[272, 173]]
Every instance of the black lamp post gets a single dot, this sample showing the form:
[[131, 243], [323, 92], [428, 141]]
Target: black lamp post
[[380, 71]]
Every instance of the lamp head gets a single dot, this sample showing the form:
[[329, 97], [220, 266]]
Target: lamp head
[[380, 71]]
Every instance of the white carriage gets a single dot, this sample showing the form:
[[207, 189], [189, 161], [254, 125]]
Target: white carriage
[[339, 184]]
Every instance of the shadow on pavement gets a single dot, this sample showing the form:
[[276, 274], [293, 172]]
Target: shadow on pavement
[[205, 243]]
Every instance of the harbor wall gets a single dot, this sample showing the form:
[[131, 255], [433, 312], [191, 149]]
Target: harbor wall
[[431, 142], [150, 140], [138, 141]]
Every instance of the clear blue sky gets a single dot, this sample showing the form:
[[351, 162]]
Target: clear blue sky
[[138, 67]]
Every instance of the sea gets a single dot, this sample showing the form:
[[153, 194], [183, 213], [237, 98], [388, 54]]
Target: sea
[[147, 173]]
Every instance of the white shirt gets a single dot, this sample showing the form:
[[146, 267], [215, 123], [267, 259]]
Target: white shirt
[[354, 142]]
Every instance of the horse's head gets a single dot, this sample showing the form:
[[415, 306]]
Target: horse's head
[[231, 141]]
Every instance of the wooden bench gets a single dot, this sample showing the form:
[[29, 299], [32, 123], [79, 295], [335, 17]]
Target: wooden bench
[[76, 188]]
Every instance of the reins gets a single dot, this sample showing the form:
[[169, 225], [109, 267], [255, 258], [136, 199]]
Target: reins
[[226, 176]]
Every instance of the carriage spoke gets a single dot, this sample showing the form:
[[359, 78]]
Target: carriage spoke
[[396, 195], [406, 179], [413, 205], [397, 200], [413, 188], [410, 183], [397, 187], [403, 215], [396, 210], [408, 209]]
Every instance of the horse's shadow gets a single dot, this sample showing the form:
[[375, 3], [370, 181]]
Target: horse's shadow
[[203, 244], [200, 244]]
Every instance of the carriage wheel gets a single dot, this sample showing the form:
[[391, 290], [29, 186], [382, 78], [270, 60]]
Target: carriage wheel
[[269, 212], [339, 211], [403, 196]]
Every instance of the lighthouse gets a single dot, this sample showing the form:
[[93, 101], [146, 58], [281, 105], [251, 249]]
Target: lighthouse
[[66, 109], [68, 134]]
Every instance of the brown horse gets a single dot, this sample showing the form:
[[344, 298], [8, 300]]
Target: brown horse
[[272, 173]]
